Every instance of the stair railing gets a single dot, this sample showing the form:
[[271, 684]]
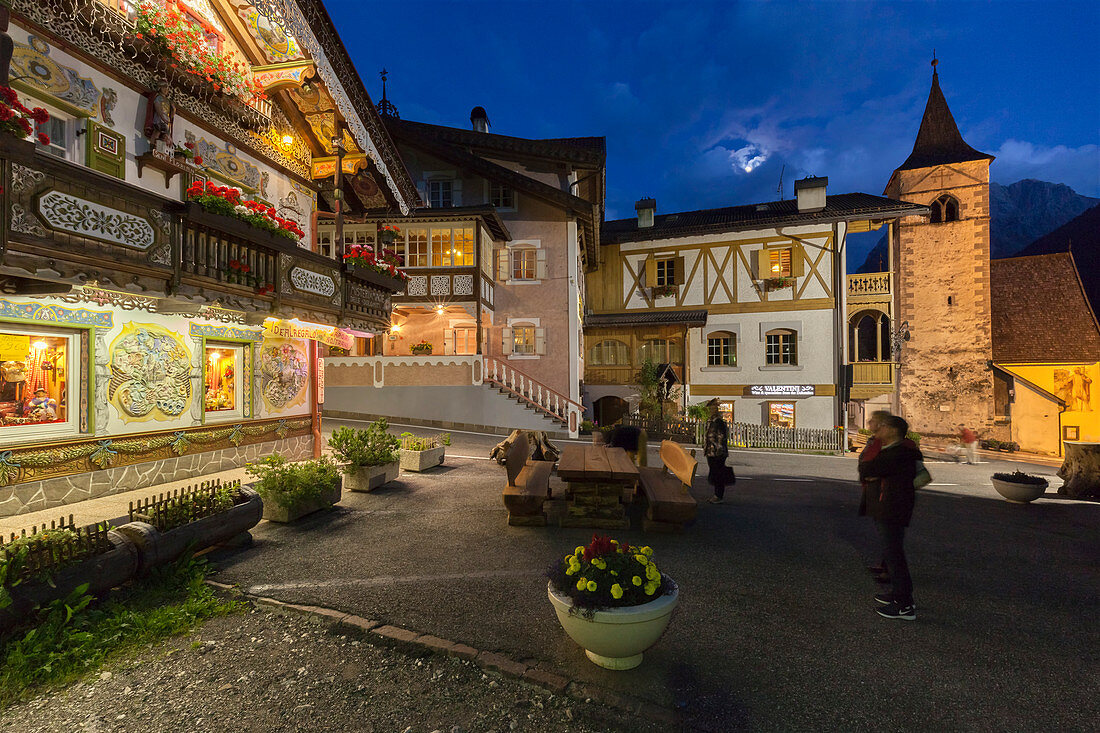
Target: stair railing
[[533, 392]]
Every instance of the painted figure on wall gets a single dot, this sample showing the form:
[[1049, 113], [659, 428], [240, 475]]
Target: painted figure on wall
[[159, 116], [284, 372], [150, 373], [1074, 388]]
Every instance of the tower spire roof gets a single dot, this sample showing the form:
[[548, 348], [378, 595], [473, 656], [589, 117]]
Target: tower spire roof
[[939, 140]]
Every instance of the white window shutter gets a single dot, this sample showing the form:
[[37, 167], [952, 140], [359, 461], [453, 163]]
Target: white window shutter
[[449, 342], [504, 265], [422, 191], [507, 341], [456, 192], [540, 264], [540, 341]]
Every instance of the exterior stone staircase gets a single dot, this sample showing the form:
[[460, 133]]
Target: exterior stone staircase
[[554, 407]]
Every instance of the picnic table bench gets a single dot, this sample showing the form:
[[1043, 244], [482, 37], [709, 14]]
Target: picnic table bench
[[669, 502], [601, 480], [528, 486]]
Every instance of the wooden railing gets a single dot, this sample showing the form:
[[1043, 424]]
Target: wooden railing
[[207, 252], [504, 376], [873, 372], [744, 435], [610, 374], [869, 283]]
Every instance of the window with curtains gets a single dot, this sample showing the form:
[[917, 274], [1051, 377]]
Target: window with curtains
[[523, 339], [38, 379], [440, 194], [524, 261], [416, 247], [610, 352], [661, 351]]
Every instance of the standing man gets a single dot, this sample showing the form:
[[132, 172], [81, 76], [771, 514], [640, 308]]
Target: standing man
[[892, 507], [969, 439], [716, 449], [874, 445]]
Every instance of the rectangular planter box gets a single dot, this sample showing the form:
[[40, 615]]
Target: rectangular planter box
[[368, 478], [231, 225], [422, 460], [382, 280], [277, 513]]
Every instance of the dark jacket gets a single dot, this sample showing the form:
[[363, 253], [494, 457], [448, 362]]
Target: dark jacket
[[891, 499], [716, 442]]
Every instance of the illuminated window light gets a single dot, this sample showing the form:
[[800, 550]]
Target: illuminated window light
[[40, 345], [288, 140]]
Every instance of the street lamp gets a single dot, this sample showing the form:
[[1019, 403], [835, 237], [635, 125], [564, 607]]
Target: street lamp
[[898, 337]]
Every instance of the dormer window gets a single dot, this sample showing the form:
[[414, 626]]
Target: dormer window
[[440, 194], [501, 196], [945, 209]]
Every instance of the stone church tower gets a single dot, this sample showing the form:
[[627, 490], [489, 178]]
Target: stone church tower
[[942, 278]]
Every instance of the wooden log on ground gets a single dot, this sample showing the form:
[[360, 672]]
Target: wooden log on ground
[[1081, 471]]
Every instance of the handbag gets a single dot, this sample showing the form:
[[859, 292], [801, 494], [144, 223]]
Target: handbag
[[923, 478]]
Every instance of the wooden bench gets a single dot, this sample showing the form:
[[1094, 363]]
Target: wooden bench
[[528, 486], [670, 504]]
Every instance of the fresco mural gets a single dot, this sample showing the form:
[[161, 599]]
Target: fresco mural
[[32, 65], [1074, 387], [275, 44], [226, 162], [150, 373], [284, 373]]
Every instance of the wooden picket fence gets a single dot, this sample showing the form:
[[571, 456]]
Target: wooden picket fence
[[180, 506], [45, 555], [742, 435]]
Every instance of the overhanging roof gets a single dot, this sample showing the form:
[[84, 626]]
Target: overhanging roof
[[647, 318]]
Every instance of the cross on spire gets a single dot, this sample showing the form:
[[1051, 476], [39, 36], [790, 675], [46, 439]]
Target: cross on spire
[[386, 108]]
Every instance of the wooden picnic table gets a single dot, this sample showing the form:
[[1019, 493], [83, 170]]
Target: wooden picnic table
[[601, 481]]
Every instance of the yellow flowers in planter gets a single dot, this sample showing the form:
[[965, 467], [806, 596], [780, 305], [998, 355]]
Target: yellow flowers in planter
[[595, 576]]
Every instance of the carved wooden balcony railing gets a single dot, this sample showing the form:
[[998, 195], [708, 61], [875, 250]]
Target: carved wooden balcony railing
[[873, 373], [869, 283], [64, 223]]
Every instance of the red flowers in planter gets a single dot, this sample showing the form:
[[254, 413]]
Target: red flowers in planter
[[388, 263], [16, 118], [226, 200]]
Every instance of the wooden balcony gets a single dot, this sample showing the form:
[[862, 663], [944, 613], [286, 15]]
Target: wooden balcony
[[870, 291], [64, 224], [610, 374], [430, 285], [872, 378]]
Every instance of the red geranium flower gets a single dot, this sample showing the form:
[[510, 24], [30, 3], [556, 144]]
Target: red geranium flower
[[234, 265], [43, 138], [40, 115]]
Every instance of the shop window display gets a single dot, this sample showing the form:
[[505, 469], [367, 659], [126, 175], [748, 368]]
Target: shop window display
[[34, 374], [781, 414], [222, 393]]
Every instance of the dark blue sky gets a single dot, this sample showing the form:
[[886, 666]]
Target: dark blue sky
[[703, 103]]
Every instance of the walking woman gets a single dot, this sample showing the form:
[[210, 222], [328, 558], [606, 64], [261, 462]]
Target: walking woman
[[716, 449]]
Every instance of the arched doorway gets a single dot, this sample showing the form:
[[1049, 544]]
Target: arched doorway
[[609, 410]]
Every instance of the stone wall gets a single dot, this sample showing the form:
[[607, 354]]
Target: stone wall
[[55, 492], [943, 292]]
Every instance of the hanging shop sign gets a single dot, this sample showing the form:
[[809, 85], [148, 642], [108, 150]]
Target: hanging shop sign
[[327, 335], [781, 390]]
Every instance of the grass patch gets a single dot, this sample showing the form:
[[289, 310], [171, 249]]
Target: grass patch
[[73, 637]]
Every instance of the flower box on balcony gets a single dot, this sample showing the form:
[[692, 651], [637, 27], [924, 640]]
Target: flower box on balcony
[[12, 148], [231, 225], [382, 280]]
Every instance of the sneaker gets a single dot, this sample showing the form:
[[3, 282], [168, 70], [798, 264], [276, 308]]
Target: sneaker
[[887, 598], [894, 610], [715, 500]]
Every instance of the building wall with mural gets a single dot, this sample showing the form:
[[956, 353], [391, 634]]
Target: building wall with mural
[[101, 394], [1040, 423]]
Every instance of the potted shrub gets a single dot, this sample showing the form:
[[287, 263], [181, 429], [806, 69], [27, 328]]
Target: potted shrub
[[293, 490], [586, 427], [420, 454], [421, 349], [370, 456], [612, 600], [1019, 487]]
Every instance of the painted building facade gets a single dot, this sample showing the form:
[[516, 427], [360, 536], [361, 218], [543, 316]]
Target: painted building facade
[[745, 303], [143, 336], [496, 259]]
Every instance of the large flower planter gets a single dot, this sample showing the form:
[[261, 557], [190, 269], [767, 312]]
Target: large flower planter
[[382, 280], [13, 148], [422, 460], [368, 478], [232, 225], [616, 637], [288, 513], [1019, 493]]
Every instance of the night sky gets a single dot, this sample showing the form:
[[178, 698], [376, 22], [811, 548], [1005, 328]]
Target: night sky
[[704, 103]]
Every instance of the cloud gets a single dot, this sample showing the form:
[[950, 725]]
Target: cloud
[[1078, 168]]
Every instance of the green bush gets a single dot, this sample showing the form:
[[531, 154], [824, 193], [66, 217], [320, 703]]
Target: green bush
[[371, 447], [864, 431], [699, 411], [190, 507], [285, 484], [913, 436], [418, 443]]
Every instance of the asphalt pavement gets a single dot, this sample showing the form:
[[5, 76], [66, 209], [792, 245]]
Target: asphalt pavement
[[776, 628]]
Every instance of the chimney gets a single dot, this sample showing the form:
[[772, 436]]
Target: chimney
[[810, 193], [646, 208], [479, 119]]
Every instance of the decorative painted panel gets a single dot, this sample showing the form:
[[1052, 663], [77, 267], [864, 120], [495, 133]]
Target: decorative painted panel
[[284, 373], [417, 286], [225, 332], [68, 213], [32, 65], [441, 284], [273, 42], [150, 373], [55, 314], [106, 150], [464, 284], [312, 282], [226, 162]]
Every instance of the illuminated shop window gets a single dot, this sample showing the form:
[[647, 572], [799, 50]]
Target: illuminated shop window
[[781, 414], [37, 376], [223, 380]]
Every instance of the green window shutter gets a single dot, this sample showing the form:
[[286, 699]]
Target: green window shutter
[[106, 150]]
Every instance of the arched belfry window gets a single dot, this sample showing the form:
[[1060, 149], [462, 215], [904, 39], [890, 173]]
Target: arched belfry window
[[944, 209]]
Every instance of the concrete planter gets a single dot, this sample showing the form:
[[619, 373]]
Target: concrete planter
[[368, 478], [422, 460], [279, 513], [616, 637], [1019, 493]]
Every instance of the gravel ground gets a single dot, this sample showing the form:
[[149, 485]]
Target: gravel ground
[[263, 671]]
